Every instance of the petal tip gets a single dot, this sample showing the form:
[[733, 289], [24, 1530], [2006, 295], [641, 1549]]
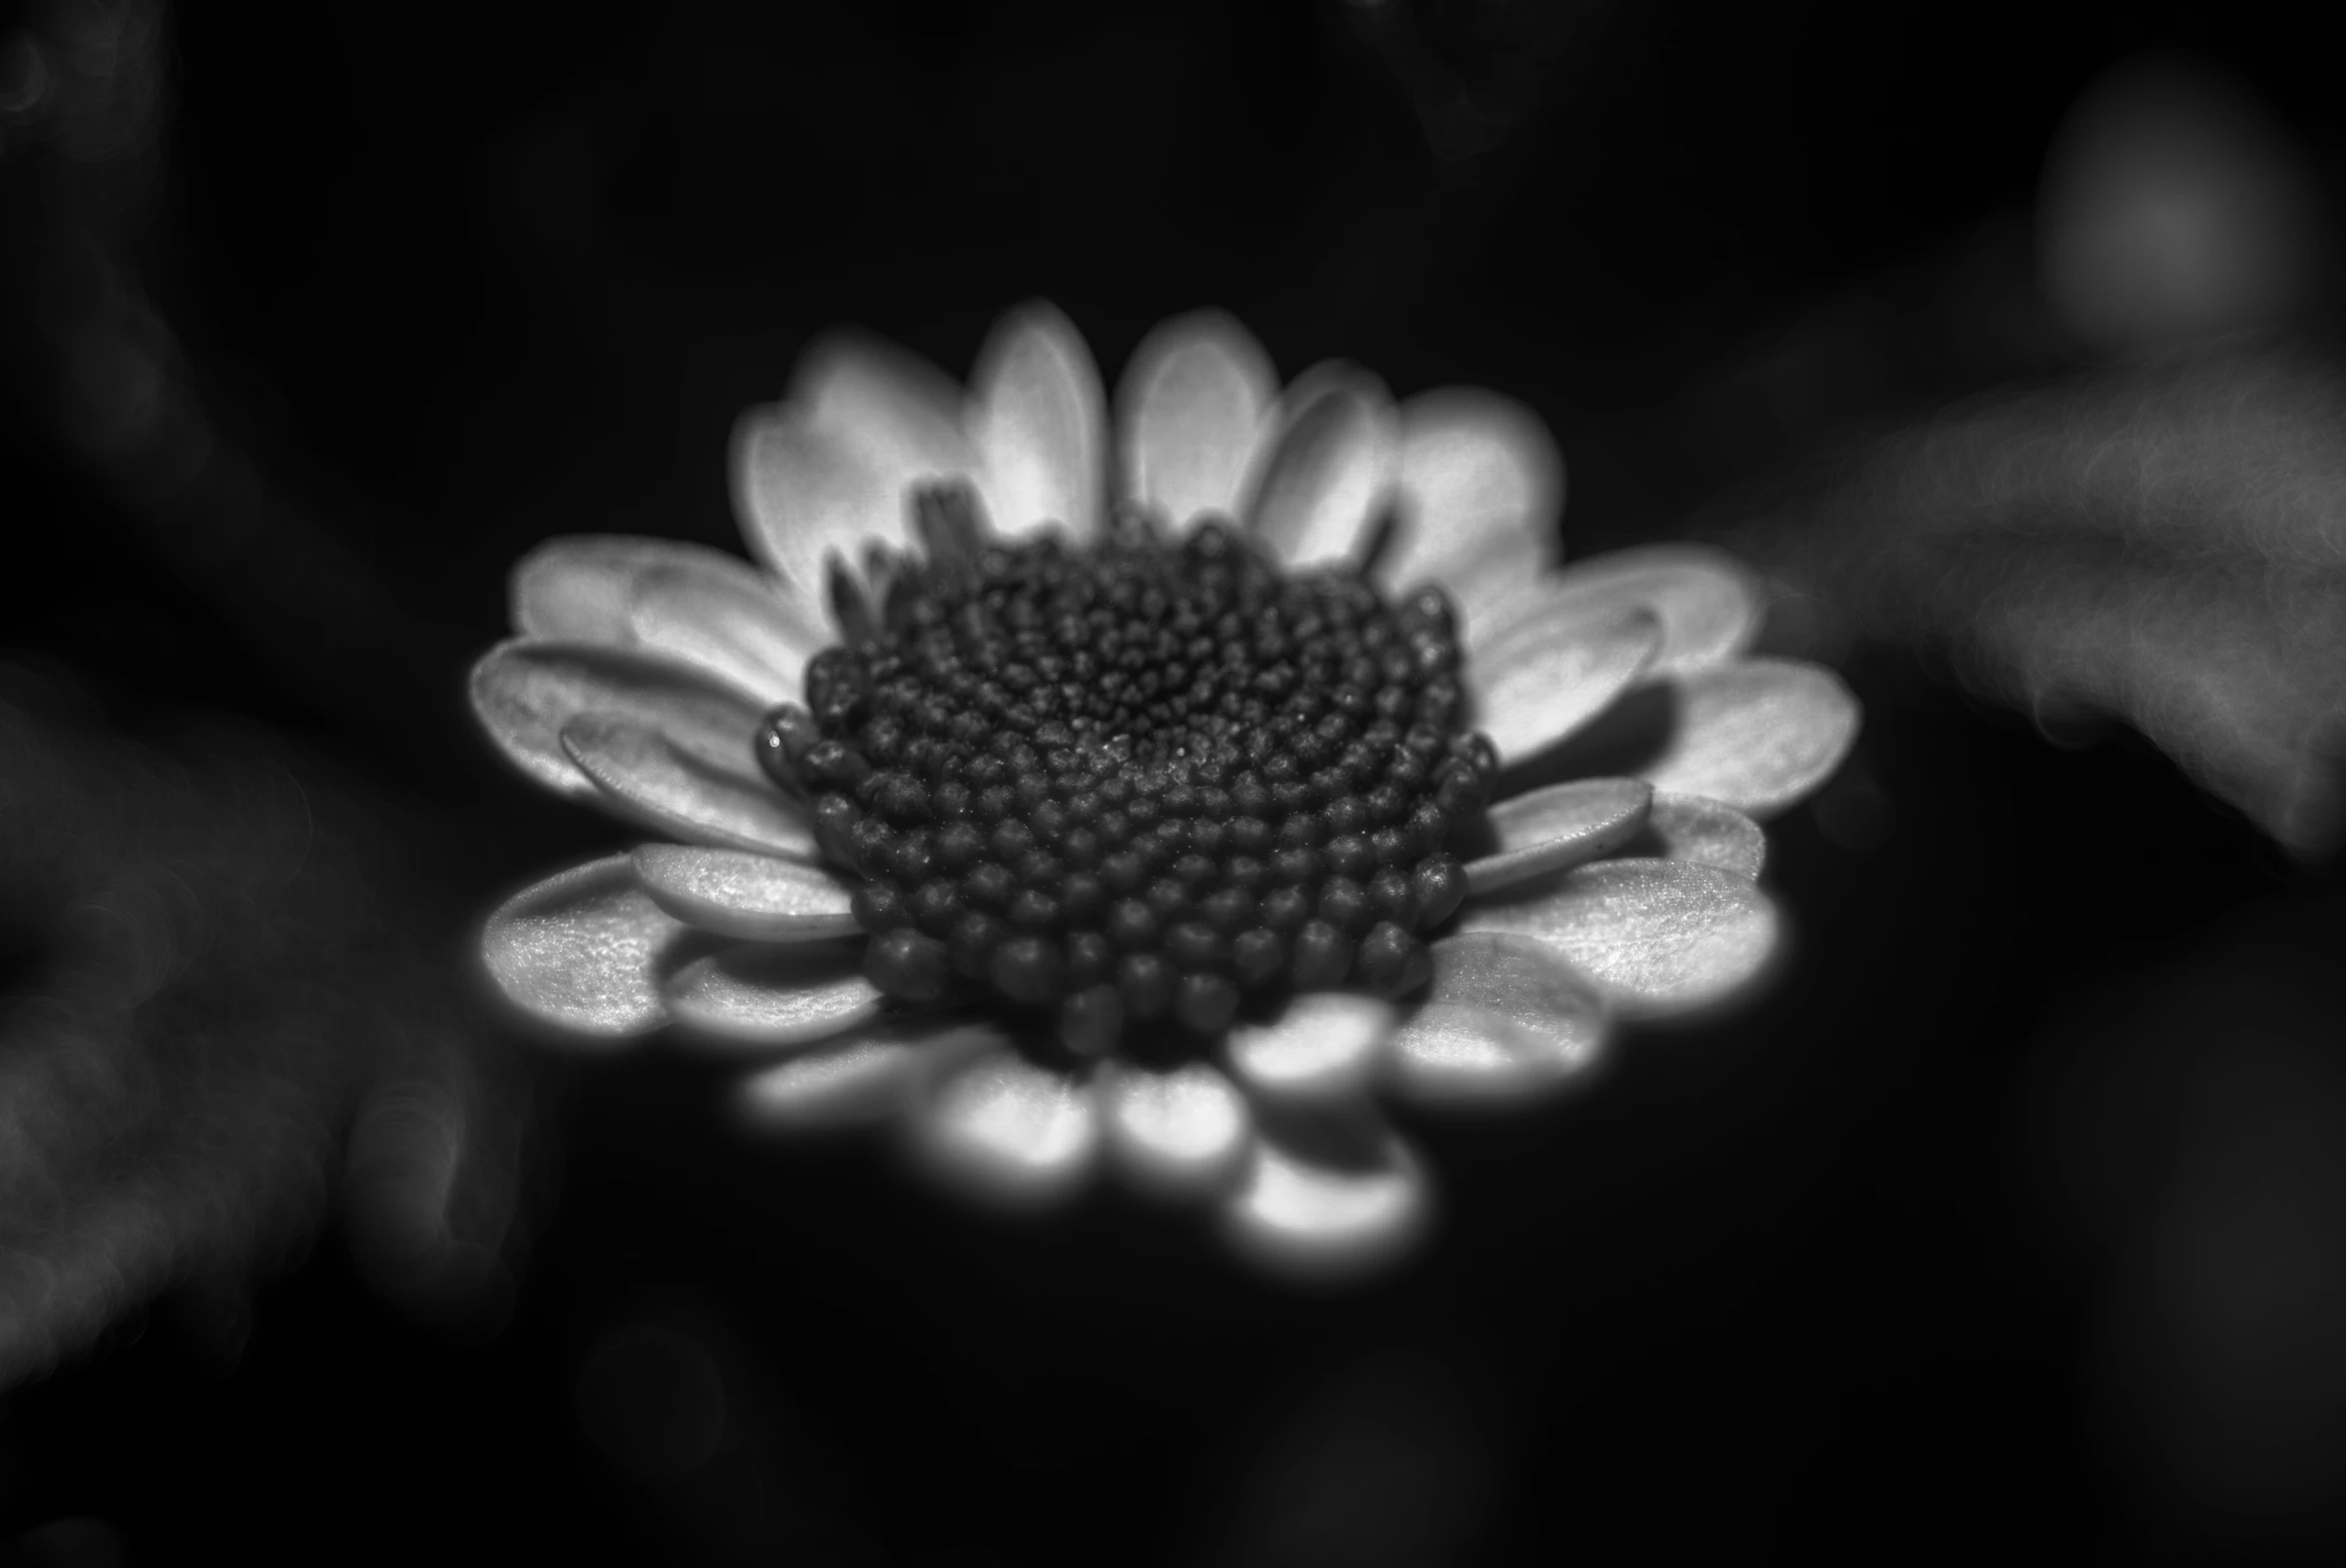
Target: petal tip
[[1005, 1133], [1657, 937], [577, 953], [1176, 1135], [1312, 1220], [1506, 1021]]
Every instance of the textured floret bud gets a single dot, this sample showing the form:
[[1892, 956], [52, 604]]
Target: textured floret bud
[[1139, 782]]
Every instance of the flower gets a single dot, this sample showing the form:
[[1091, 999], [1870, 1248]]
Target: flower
[[884, 770]]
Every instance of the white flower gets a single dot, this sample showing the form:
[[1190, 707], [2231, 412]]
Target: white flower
[[644, 670]]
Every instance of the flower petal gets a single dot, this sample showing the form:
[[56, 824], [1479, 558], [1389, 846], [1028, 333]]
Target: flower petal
[[1479, 484], [861, 1078], [806, 495], [738, 627], [1557, 827], [1656, 935], [1708, 604], [1006, 1130], [1757, 735], [1327, 1197], [754, 896], [1321, 1045], [761, 994], [853, 1082], [1506, 1017], [576, 588], [647, 776], [524, 691], [1327, 470], [1192, 410], [1178, 1132], [1706, 831], [1552, 674], [900, 415], [1037, 419], [584, 949]]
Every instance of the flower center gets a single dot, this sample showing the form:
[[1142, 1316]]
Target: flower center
[[1148, 780]]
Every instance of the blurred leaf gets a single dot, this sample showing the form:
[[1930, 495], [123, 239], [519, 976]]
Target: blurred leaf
[[217, 1010], [2167, 545]]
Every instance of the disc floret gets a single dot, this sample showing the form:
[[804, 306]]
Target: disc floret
[[1144, 781]]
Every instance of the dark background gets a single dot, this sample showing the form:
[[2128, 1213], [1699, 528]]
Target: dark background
[[2011, 1215]]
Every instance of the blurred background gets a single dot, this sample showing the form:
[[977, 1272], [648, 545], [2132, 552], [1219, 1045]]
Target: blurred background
[[2002, 337]]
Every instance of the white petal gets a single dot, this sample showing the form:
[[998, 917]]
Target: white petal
[[900, 415], [1708, 604], [1506, 1017], [1757, 735], [1323, 476], [1557, 827], [1327, 1198], [645, 776], [524, 691], [584, 949], [1552, 674], [804, 496], [1040, 426], [1192, 410], [754, 896], [853, 1082], [1007, 1131], [859, 1079], [1480, 484], [1321, 1045], [1706, 831], [576, 589], [1180, 1132], [741, 629], [763, 996], [1656, 935]]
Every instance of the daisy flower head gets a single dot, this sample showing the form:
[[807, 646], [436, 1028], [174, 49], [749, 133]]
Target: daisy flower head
[[1156, 794]]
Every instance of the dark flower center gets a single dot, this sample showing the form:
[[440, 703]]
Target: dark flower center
[[1148, 780]]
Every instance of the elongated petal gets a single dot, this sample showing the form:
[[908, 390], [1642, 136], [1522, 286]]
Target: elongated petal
[[804, 496], [754, 896], [1327, 1197], [1480, 484], [1706, 831], [848, 1082], [1192, 411], [1551, 676], [900, 415], [1656, 935], [1327, 470], [584, 949], [1321, 1045], [1506, 1017], [1040, 426], [866, 1076], [576, 589], [1179, 1134], [1708, 604], [524, 691], [1553, 828], [1005, 1131], [649, 779], [1757, 735], [762, 996], [743, 630]]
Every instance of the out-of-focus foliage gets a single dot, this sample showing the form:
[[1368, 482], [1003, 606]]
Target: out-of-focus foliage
[[2161, 537], [217, 1013], [2167, 546]]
